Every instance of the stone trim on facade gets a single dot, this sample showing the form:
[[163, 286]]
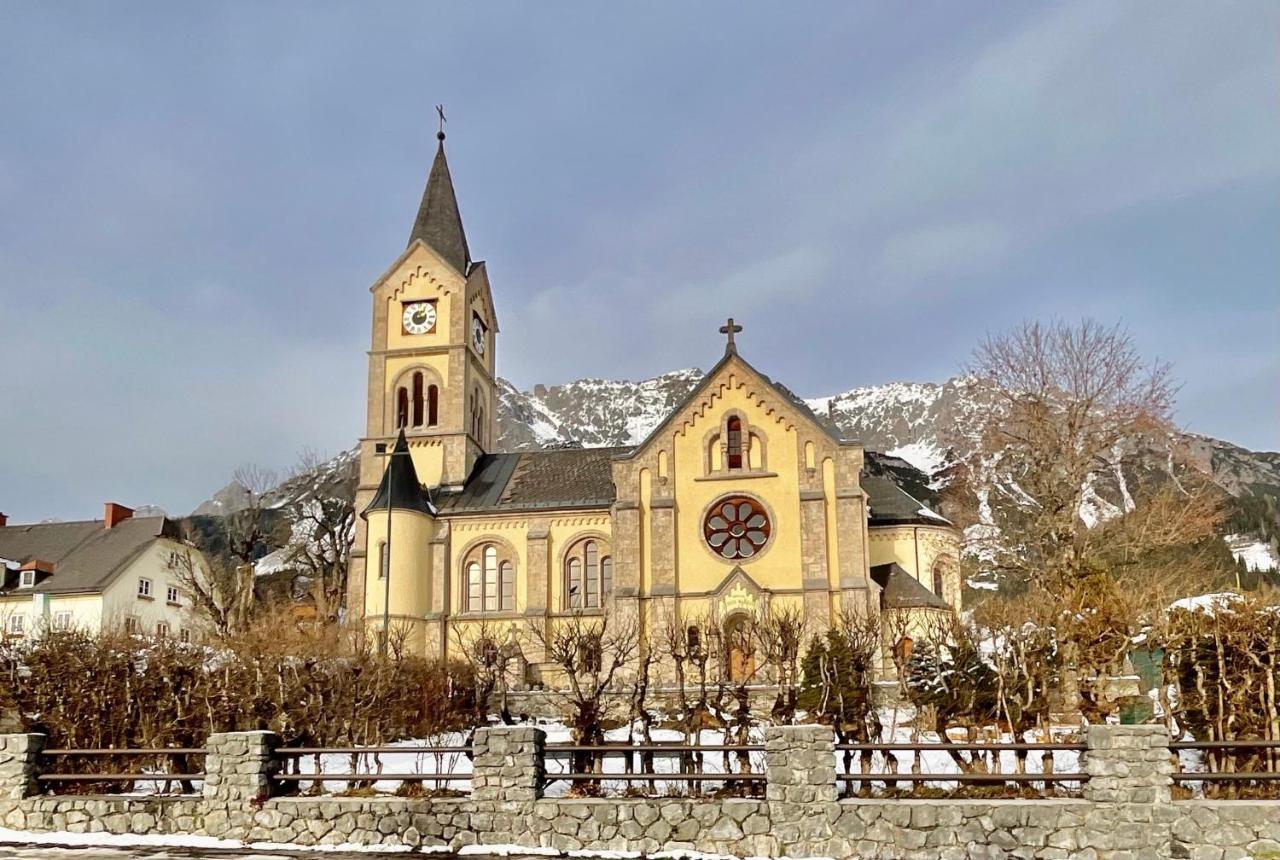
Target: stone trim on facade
[[1125, 813]]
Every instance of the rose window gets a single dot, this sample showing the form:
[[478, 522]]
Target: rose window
[[736, 527]]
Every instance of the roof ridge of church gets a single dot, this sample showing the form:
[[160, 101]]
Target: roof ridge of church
[[439, 223], [731, 352]]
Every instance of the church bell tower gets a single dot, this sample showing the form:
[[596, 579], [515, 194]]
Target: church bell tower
[[431, 367]]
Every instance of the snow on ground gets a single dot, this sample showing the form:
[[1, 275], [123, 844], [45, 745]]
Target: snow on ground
[[418, 758], [1257, 555]]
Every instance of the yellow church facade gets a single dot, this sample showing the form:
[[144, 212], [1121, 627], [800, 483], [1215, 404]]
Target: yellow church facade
[[741, 502]]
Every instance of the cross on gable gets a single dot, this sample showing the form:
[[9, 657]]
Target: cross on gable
[[729, 330]]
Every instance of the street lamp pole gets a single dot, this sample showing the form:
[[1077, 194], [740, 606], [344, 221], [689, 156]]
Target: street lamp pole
[[385, 556], [386, 573]]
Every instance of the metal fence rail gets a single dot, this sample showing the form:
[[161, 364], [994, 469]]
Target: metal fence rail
[[583, 766], [1227, 773], [368, 777], [916, 781], [53, 778]]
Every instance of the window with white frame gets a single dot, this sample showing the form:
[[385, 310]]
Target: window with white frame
[[144, 587], [162, 630], [490, 582], [62, 620], [184, 635], [17, 624], [171, 594], [588, 575], [131, 625], [28, 579]]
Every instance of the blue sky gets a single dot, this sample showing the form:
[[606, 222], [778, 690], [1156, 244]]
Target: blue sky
[[194, 199]]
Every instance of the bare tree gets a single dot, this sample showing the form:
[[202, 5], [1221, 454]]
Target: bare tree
[[780, 634], [247, 529], [591, 652], [323, 518], [220, 590], [220, 578], [1068, 400], [1070, 404], [492, 656]]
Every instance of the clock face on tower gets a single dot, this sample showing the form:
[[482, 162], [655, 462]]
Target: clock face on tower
[[477, 334], [419, 317]]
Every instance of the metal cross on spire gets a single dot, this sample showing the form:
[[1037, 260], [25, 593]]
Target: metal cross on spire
[[729, 330], [440, 111]]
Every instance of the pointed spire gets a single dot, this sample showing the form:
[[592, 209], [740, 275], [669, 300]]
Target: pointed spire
[[438, 223], [400, 483]]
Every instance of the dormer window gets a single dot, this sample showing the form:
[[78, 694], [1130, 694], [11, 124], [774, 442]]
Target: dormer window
[[28, 579]]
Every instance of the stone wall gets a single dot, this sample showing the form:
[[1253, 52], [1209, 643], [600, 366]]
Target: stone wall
[[1125, 813]]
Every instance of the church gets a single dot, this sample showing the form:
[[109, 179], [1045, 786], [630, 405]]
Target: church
[[741, 501]]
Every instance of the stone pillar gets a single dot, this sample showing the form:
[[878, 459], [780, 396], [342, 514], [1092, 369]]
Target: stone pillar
[[1129, 777], [1128, 764], [508, 764], [800, 766], [239, 766], [19, 764]]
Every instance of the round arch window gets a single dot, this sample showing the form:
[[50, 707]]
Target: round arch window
[[737, 527]]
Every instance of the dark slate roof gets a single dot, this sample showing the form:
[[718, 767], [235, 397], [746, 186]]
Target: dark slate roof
[[889, 501], [86, 554], [400, 484], [537, 480], [901, 590], [439, 223]]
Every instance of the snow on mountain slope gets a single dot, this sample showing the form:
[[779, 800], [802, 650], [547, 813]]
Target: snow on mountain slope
[[927, 425]]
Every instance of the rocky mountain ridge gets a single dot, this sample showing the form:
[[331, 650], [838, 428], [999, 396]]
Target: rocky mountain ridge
[[923, 424]]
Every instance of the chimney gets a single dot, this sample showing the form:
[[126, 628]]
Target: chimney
[[115, 513], [4, 520]]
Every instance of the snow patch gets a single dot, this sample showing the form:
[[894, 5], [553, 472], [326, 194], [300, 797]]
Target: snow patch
[[1207, 603], [1257, 555], [924, 455]]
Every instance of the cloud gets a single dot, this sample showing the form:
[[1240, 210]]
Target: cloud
[[761, 284], [944, 249]]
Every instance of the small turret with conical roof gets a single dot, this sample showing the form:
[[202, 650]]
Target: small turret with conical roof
[[398, 595], [400, 488]]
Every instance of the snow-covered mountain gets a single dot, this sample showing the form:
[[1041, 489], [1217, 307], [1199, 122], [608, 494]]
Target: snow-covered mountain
[[925, 424]]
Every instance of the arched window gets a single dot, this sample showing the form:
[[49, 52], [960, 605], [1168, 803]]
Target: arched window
[[490, 581], [417, 399], [939, 578], [402, 407], [733, 445], [588, 575], [433, 404], [693, 642]]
